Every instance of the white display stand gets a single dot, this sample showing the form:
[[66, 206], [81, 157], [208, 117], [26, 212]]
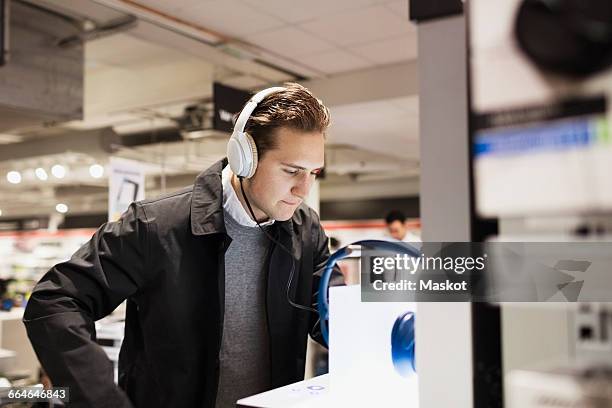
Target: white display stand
[[313, 391], [361, 372]]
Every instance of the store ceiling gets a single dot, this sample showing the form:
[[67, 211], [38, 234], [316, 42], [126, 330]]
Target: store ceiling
[[322, 37], [139, 79]]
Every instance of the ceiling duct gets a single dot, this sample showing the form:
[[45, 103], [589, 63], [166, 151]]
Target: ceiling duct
[[98, 142], [40, 82], [195, 122], [113, 27], [151, 136]]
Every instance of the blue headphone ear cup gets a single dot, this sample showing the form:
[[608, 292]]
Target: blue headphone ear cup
[[403, 344]]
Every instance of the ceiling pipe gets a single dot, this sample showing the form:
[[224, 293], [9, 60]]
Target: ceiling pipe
[[99, 142]]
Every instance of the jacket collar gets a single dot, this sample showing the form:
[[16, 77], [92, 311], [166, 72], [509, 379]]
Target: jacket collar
[[207, 202]]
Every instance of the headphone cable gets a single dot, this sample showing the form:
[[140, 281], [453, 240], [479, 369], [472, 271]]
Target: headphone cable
[[293, 259]]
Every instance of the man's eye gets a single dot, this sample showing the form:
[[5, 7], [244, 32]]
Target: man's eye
[[292, 172]]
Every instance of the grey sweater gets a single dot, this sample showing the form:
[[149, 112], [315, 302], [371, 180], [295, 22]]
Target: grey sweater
[[245, 348]]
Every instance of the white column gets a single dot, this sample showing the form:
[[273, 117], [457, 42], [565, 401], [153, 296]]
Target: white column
[[443, 330]]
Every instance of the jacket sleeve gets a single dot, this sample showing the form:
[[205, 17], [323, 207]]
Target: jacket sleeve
[[61, 311], [321, 255]]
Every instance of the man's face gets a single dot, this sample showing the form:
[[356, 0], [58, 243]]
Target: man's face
[[285, 175], [397, 230]]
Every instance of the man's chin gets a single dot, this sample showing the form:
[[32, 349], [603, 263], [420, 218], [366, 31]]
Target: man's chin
[[283, 215]]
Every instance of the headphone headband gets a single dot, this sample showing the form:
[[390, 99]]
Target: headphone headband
[[251, 105]]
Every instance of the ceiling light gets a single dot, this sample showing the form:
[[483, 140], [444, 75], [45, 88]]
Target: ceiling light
[[13, 177], [58, 171], [61, 208], [41, 174], [96, 171]]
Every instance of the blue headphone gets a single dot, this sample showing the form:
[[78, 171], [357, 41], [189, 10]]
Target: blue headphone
[[402, 334], [402, 345]]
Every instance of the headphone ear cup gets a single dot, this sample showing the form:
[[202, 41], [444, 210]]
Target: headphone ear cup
[[242, 155], [402, 344], [252, 151], [236, 157]]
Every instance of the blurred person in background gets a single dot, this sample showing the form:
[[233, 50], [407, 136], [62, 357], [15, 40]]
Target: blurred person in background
[[397, 229]]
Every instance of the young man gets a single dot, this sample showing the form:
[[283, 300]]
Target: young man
[[217, 300]]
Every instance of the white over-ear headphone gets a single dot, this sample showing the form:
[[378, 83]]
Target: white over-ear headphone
[[241, 149]]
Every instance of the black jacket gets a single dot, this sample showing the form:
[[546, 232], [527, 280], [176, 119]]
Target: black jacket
[[166, 257]]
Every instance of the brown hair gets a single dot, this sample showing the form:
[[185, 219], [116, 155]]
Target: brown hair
[[294, 108]]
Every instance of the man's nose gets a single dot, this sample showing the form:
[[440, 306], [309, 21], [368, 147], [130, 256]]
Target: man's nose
[[303, 185]]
